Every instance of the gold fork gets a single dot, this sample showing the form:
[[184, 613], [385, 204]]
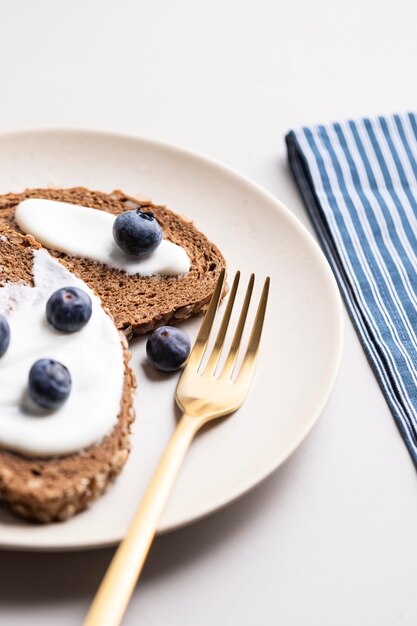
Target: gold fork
[[203, 396]]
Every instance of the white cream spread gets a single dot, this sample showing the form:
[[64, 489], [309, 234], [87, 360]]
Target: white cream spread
[[93, 355], [88, 233]]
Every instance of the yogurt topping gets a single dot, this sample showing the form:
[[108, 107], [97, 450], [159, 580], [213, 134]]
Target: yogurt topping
[[93, 355], [88, 233]]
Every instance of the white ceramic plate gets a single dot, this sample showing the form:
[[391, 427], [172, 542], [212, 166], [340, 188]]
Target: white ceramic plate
[[302, 336]]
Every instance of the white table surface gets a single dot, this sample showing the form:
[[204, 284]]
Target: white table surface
[[330, 538]]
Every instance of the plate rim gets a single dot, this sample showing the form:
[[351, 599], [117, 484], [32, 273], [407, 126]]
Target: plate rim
[[326, 271]]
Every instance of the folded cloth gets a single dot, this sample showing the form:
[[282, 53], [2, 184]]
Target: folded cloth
[[358, 180]]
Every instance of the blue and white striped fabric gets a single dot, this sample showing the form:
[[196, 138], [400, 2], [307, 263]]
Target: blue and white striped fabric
[[358, 180]]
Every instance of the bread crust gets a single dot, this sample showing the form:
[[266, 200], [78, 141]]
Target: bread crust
[[54, 489], [138, 304]]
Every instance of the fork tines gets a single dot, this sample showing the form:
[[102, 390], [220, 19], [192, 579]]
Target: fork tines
[[201, 343]]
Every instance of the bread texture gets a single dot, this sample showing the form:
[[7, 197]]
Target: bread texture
[[138, 304], [56, 488]]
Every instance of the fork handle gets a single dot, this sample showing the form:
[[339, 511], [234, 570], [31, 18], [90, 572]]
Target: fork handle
[[113, 595]]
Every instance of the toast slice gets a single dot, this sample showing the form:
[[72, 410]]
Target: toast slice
[[56, 488], [137, 304]]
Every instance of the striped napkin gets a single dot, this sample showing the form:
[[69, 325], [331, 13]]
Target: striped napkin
[[358, 180]]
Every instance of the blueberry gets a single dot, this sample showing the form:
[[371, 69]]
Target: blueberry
[[168, 348], [137, 233], [69, 309], [49, 383], [4, 335]]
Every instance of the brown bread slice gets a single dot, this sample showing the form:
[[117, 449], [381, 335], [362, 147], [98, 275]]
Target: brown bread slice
[[137, 304], [56, 488]]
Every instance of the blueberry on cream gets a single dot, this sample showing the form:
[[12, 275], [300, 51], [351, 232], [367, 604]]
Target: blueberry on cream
[[137, 233], [87, 233], [69, 309], [49, 383], [4, 335], [79, 413], [168, 348]]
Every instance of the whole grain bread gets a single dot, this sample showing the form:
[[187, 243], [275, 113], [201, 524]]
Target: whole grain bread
[[56, 488], [137, 304]]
